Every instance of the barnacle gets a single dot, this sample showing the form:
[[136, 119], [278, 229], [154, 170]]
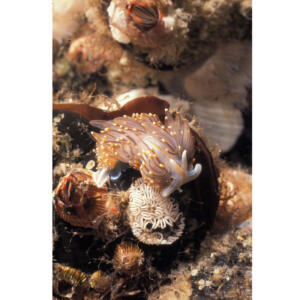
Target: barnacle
[[139, 22], [157, 30], [154, 219], [144, 15], [68, 281], [162, 151], [78, 200], [128, 259], [99, 281]]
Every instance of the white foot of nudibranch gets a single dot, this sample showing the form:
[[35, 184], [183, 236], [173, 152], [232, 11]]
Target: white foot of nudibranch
[[101, 177], [181, 174]]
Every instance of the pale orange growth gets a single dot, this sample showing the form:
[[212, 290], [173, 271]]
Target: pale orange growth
[[235, 204], [90, 53], [111, 207]]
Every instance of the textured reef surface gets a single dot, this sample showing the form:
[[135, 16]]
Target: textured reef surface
[[152, 142]]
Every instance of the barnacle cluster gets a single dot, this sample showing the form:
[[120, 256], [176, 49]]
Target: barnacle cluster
[[127, 41]]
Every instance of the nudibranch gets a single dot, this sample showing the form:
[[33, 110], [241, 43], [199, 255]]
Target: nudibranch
[[154, 220], [163, 151]]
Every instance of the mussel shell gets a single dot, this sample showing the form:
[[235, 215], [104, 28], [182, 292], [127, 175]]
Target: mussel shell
[[79, 248], [77, 130], [205, 187]]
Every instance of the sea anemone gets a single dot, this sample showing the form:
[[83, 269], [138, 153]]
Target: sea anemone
[[162, 151], [154, 220]]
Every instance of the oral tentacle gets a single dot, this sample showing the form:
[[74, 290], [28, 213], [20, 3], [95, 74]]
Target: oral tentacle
[[184, 160], [178, 178], [101, 177], [171, 188], [181, 175], [194, 173]]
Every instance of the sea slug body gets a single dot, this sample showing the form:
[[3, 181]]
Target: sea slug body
[[162, 151]]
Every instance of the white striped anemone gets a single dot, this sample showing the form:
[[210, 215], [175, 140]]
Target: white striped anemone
[[154, 220]]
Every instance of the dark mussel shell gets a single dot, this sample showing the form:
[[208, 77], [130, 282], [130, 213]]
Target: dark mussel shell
[[198, 202], [205, 187]]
